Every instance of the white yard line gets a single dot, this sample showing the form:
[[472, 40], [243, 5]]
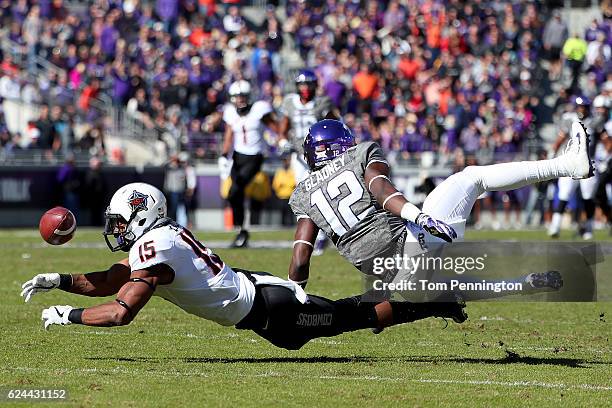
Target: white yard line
[[120, 370], [258, 244]]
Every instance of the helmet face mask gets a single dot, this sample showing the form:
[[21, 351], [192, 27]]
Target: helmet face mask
[[117, 226], [239, 93], [306, 84], [133, 210], [582, 111], [583, 106], [241, 102], [307, 90], [325, 141]]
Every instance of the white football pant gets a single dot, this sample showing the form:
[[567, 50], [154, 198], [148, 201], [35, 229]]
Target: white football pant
[[567, 187], [452, 200]]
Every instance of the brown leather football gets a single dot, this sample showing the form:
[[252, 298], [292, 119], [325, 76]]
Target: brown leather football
[[57, 226]]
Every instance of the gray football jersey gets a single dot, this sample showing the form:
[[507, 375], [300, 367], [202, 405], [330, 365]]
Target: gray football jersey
[[337, 200], [302, 117]]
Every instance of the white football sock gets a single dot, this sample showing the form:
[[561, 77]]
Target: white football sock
[[555, 224]]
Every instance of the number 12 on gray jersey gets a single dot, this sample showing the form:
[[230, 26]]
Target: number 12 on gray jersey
[[342, 218]]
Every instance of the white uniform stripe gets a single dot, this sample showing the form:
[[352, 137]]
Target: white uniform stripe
[[301, 241], [375, 177], [377, 161], [397, 193]]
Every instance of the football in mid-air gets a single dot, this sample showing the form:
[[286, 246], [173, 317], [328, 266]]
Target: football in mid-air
[[57, 226]]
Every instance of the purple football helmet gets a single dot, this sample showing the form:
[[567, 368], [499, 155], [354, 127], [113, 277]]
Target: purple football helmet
[[326, 140], [583, 106], [306, 84], [582, 101], [306, 76]]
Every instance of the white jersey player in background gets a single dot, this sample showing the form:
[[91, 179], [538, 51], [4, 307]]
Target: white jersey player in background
[[166, 260], [244, 125], [568, 186], [299, 112]]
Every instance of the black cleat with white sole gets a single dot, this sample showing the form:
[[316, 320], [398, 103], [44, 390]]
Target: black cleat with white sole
[[241, 240], [545, 280]]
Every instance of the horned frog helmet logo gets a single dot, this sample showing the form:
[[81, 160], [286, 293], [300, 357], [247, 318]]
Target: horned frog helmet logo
[[138, 201]]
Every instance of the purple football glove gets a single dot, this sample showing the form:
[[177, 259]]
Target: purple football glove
[[436, 228]]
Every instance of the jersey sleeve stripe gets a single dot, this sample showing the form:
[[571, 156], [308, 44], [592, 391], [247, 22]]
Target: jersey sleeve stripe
[[301, 216]]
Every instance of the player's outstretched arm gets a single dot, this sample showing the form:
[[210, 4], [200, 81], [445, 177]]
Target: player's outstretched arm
[[103, 283], [131, 298], [386, 194], [303, 244]]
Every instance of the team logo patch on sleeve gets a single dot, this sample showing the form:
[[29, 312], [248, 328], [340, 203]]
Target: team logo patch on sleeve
[[138, 201]]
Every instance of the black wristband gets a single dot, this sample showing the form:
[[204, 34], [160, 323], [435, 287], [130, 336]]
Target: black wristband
[[75, 316], [65, 281]]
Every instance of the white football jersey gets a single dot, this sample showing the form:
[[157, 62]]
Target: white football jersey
[[303, 116], [203, 285], [247, 129]]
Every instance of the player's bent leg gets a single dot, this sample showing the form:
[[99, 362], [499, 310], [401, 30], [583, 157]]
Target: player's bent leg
[[528, 284], [588, 188], [281, 319], [246, 167], [567, 186], [453, 199]]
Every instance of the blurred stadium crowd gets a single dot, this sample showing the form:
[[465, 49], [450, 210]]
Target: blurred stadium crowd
[[471, 81], [442, 76]]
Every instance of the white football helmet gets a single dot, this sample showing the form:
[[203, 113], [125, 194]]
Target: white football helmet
[[239, 93], [132, 211]]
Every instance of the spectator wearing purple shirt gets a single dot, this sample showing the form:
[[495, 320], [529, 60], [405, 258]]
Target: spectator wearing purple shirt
[[486, 51], [264, 70], [108, 38], [122, 88], [336, 90], [167, 11]]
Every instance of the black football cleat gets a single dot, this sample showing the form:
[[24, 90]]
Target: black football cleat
[[451, 310], [241, 240], [545, 280]]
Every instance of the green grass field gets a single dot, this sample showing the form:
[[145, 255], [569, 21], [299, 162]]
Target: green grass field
[[506, 354]]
